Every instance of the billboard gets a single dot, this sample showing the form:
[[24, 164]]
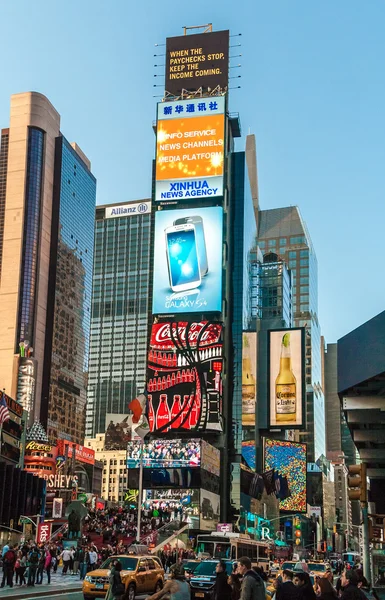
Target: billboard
[[118, 431], [183, 503], [209, 510], [287, 377], [159, 454], [82, 454], [26, 380], [289, 460], [190, 142], [249, 454], [188, 261], [43, 534], [210, 458], [249, 378], [128, 210], [197, 61], [184, 377]]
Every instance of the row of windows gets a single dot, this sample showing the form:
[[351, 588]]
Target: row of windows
[[283, 241]]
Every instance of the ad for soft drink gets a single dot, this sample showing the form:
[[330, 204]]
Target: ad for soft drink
[[286, 378], [184, 377], [188, 261]]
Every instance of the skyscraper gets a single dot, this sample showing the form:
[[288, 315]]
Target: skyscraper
[[119, 310], [47, 200], [283, 232]]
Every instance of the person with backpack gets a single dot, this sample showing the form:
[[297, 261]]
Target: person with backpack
[[253, 587], [33, 562], [9, 560], [40, 568]]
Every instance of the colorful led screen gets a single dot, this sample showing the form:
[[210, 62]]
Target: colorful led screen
[[289, 459]]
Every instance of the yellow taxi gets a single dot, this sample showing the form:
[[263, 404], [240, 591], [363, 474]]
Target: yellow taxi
[[140, 575]]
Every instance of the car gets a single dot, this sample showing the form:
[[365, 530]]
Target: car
[[140, 575], [202, 580], [190, 566]]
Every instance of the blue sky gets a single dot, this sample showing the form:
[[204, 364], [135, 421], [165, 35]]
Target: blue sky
[[313, 92]]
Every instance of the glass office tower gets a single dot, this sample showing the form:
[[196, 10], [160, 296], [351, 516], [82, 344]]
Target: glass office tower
[[283, 232], [69, 289], [119, 311]]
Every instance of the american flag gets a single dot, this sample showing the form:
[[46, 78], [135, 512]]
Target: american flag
[[4, 412]]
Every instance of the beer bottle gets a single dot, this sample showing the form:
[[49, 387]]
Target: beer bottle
[[248, 393], [285, 386]]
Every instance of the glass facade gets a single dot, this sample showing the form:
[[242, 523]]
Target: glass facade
[[28, 275], [117, 370], [275, 294], [298, 253], [72, 296]]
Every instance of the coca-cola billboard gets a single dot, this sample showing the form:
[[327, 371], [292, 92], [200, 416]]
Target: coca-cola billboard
[[184, 377]]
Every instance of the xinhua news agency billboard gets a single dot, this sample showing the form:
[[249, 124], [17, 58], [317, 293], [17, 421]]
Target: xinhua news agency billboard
[[188, 261], [197, 61], [190, 149]]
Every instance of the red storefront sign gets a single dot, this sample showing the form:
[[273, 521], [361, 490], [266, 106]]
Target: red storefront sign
[[44, 531], [82, 454], [164, 335]]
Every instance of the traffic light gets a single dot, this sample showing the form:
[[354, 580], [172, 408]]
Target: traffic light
[[297, 531], [357, 482]]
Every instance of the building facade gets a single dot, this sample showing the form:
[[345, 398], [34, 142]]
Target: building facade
[[114, 479], [47, 200], [119, 311], [283, 232]]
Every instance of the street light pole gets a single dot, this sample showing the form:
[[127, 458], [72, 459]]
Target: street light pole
[[140, 494]]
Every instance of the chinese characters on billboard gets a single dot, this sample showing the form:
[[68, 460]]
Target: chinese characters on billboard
[[286, 378], [197, 61], [249, 378], [190, 149], [184, 382], [164, 453], [188, 261], [289, 460]]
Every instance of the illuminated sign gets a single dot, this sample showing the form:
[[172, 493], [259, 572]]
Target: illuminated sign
[[197, 61], [209, 510], [184, 377], [211, 458], [249, 378], [128, 210], [57, 508], [61, 482], [164, 453], [286, 378], [82, 454], [26, 380], [14, 406], [44, 531], [190, 140], [188, 261], [289, 460], [38, 446]]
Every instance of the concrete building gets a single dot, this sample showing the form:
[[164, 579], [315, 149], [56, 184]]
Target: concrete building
[[114, 480], [283, 232], [47, 200], [117, 370]]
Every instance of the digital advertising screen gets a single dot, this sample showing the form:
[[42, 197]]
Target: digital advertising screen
[[190, 143], [211, 458], [118, 431], [182, 504], [164, 453], [249, 378], [289, 460], [184, 377], [209, 510], [197, 61], [286, 378], [188, 261]]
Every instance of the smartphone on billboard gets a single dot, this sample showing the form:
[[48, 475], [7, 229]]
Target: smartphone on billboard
[[201, 241], [182, 257]]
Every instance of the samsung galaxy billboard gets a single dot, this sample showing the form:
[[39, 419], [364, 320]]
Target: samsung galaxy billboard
[[190, 149], [188, 261]]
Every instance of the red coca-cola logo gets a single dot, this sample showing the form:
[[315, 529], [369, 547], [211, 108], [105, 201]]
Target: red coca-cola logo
[[161, 334]]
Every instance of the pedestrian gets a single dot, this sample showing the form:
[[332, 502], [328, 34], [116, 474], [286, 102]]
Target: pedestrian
[[349, 584], [33, 561], [66, 558], [9, 560], [234, 581], [48, 566], [20, 567], [72, 557], [82, 563], [304, 586], [176, 585], [325, 589], [117, 587], [93, 559], [252, 585], [40, 568], [222, 588], [286, 590]]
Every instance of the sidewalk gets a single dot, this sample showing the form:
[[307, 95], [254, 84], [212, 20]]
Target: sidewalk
[[59, 585]]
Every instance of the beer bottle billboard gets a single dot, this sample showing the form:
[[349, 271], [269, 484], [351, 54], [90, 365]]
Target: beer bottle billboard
[[286, 377]]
